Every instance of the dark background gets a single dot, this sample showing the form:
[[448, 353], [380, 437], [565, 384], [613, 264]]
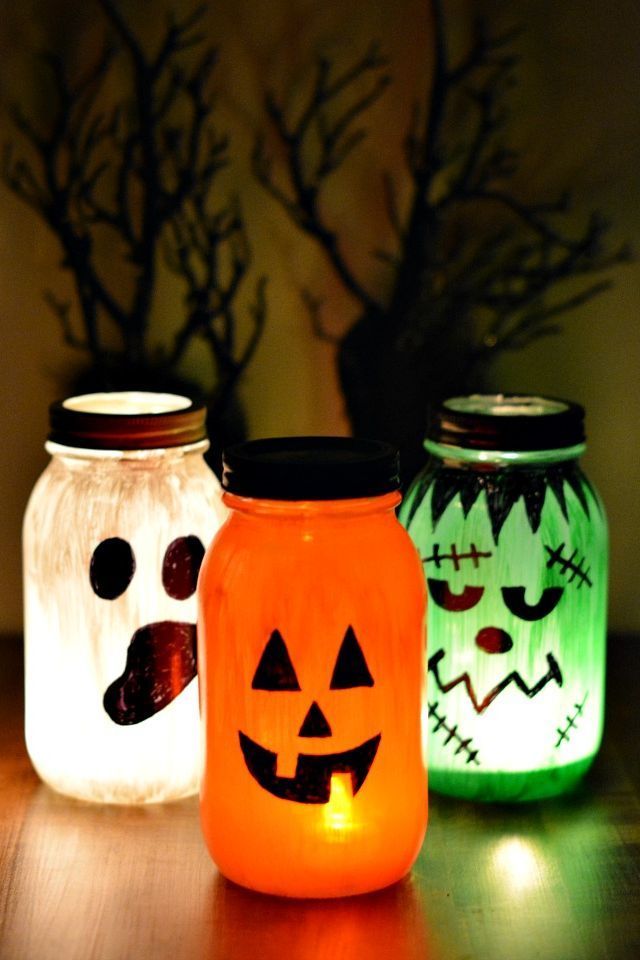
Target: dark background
[[574, 118]]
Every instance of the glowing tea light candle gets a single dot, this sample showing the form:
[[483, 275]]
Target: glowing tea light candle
[[338, 812], [513, 542], [114, 535]]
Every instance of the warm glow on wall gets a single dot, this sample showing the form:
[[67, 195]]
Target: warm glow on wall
[[311, 650], [514, 550], [113, 540]]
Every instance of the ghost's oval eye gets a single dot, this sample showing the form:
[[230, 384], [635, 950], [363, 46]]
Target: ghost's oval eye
[[112, 568], [515, 602], [454, 602], [181, 566]]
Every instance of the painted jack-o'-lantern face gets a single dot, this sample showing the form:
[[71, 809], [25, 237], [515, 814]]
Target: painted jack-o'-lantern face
[[161, 657], [311, 782], [515, 570], [311, 666]]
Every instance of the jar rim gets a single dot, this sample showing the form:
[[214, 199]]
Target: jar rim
[[127, 420], [295, 509], [503, 458], [504, 422]]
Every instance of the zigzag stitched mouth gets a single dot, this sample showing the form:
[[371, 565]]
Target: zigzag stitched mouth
[[553, 673]]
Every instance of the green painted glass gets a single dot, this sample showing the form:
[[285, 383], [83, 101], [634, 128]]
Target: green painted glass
[[514, 550]]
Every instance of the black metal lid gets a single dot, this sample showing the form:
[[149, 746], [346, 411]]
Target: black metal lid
[[508, 422], [127, 420], [310, 468]]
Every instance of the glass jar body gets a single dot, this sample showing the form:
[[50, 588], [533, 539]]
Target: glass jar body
[[111, 707], [314, 782], [515, 557]]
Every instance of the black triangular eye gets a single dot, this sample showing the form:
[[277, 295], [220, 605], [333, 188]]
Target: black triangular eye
[[351, 668], [275, 670]]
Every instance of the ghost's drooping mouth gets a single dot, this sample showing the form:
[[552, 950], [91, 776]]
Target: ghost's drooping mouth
[[312, 780], [553, 673], [161, 662]]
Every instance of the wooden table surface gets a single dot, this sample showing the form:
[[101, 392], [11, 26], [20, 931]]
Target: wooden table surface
[[554, 880]]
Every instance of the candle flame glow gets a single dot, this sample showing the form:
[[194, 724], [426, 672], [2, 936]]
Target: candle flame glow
[[338, 812]]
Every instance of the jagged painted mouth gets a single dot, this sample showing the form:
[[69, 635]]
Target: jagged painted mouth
[[312, 780], [553, 673], [161, 662]]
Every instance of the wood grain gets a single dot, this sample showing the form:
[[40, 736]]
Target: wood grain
[[555, 880]]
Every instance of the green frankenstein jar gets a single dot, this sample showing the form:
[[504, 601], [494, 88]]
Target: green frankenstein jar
[[513, 542]]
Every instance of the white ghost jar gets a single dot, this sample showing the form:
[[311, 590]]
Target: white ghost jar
[[114, 535]]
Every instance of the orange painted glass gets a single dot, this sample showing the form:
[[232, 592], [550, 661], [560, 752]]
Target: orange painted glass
[[311, 652]]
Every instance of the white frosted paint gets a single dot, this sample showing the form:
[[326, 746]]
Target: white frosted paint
[[76, 643]]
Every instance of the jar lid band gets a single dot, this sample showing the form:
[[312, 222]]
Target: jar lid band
[[310, 468], [127, 420], [504, 457], [508, 422]]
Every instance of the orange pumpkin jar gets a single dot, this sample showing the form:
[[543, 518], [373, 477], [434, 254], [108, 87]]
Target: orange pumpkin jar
[[311, 659]]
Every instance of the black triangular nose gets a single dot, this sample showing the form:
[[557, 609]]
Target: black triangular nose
[[315, 723]]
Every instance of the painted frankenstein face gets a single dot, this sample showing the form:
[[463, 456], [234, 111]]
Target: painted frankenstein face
[[515, 570]]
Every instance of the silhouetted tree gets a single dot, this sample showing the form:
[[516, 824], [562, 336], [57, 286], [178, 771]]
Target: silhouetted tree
[[136, 174], [476, 270]]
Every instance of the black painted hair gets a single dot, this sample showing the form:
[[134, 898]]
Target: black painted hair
[[503, 489]]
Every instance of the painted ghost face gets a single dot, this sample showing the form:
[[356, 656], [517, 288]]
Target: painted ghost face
[[161, 657], [516, 628], [113, 539]]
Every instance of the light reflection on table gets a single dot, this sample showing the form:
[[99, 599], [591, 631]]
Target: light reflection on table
[[555, 880], [387, 924]]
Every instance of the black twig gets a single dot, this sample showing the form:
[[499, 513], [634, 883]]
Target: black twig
[[326, 126], [475, 268], [141, 170]]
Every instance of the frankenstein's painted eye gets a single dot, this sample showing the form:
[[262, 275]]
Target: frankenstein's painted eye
[[112, 568], [181, 566], [351, 668], [454, 602], [514, 601], [275, 670]]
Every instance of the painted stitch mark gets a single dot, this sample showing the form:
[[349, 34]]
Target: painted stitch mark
[[456, 558], [568, 565], [464, 746], [571, 722]]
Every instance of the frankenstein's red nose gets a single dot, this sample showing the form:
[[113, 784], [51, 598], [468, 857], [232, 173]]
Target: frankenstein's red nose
[[493, 640]]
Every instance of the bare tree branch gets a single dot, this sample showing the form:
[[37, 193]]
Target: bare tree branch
[[139, 172], [314, 307], [325, 124], [62, 310], [478, 269]]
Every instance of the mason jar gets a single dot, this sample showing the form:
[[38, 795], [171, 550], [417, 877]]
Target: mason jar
[[311, 651], [114, 534], [513, 543]]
